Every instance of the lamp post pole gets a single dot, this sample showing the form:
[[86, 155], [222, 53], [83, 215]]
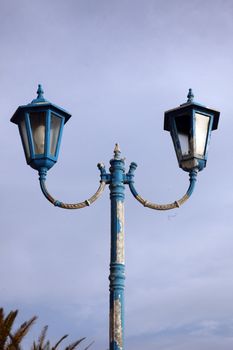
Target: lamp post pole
[[117, 254], [40, 126]]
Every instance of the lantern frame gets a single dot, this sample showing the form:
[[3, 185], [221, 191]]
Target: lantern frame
[[187, 114], [48, 110]]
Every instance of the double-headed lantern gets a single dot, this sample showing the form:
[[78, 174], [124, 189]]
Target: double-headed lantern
[[190, 126], [40, 125]]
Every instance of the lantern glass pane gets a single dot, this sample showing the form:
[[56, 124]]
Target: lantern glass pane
[[183, 130], [184, 143], [54, 133], [24, 137], [37, 120], [202, 127]]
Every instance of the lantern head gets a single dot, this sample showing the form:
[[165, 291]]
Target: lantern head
[[190, 126], [40, 125]]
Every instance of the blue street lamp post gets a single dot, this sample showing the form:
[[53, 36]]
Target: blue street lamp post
[[41, 125]]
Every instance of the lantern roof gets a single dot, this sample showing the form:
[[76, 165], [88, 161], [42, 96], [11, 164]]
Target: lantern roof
[[187, 107], [37, 104]]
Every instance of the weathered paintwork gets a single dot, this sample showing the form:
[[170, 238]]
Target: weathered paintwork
[[117, 255], [116, 327], [185, 116], [120, 248], [192, 179], [57, 203]]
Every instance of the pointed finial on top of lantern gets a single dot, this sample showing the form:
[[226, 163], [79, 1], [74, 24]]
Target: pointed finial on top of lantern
[[190, 96], [40, 95], [40, 91], [117, 151]]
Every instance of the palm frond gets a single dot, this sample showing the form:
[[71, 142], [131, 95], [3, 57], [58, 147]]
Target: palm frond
[[20, 333], [42, 337], [34, 346], [6, 326], [10, 340], [47, 346], [74, 345], [1, 316], [59, 341]]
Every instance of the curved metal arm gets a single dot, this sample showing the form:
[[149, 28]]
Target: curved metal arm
[[176, 204], [42, 179]]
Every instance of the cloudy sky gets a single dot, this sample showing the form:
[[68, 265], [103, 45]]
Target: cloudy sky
[[116, 66]]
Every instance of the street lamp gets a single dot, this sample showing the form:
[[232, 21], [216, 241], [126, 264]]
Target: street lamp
[[190, 126], [40, 125]]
